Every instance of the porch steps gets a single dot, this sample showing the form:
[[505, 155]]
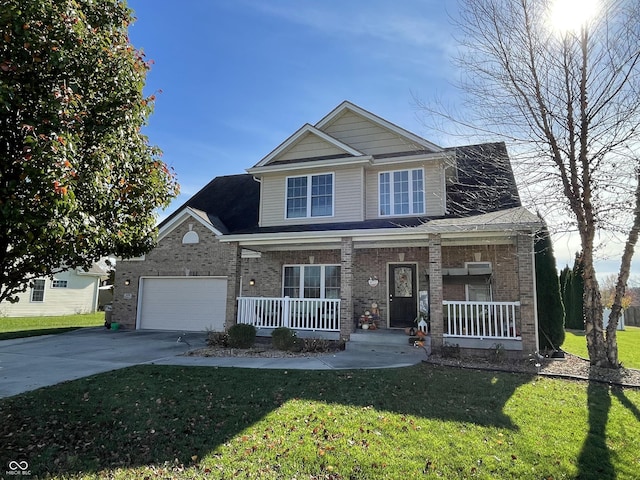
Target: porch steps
[[384, 341]]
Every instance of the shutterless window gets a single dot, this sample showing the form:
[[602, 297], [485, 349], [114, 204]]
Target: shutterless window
[[310, 196], [478, 293], [311, 281], [37, 291], [59, 284], [402, 192]]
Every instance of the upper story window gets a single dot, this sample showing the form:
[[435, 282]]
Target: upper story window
[[59, 284], [402, 192], [37, 291], [310, 196]]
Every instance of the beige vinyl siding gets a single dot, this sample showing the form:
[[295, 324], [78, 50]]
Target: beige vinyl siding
[[433, 187], [367, 137], [80, 296], [348, 197], [310, 146]]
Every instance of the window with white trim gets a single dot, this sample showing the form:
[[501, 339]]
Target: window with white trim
[[401, 192], [311, 281], [310, 196], [59, 284], [37, 291]]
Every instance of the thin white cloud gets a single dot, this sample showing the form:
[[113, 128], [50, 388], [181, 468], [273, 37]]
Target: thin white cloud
[[378, 21]]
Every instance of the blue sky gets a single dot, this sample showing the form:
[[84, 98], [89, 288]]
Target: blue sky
[[238, 77]]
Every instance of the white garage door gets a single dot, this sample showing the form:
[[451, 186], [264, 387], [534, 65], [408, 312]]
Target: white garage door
[[182, 303]]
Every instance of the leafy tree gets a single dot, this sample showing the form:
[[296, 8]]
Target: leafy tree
[[568, 102], [549, 302], [608, 293], [78, 179]]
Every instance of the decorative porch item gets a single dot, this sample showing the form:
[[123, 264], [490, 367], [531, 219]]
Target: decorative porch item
[[370, 318], [411, 331]]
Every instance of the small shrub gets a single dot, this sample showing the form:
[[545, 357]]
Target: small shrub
[[218, 339], [284, 338], [497, 353], [242, 335], [315, 345], [451, 350]]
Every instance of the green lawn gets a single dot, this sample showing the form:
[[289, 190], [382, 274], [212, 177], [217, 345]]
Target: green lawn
[[628, 345], [418, 422], [16, 327]]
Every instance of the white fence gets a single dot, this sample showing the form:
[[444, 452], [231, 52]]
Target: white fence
[[481, 319], [295, 313]]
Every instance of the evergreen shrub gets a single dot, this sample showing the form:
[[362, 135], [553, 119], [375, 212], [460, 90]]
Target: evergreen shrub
[[242, 335]]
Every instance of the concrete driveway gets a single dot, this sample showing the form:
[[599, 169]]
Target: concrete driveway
[[30, 363]]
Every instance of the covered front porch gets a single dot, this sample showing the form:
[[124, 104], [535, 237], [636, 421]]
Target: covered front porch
[[467, 324], [325, 284]]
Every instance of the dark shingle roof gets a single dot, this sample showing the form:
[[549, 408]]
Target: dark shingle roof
[[231, 203], [483, 183]]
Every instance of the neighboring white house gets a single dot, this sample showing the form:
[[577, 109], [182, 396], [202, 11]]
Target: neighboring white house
[[67, 293]]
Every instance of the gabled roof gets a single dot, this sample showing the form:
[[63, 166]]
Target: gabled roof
[[228, 203], [299, 135], [483, 183], [333, 147], [348, 106]]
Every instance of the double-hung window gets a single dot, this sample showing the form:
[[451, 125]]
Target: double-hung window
[[402, 192], [311, 281], [310, 196], [37, 291]]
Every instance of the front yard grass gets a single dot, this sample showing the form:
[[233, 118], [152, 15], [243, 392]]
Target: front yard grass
[[628, 345], [418, 422], [17, 327]]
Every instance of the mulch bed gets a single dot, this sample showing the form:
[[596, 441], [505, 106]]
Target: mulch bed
[[569, 367]]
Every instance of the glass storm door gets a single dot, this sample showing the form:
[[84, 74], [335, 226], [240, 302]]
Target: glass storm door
[[403, 295]]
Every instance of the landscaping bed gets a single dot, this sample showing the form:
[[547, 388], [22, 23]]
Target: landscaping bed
[[571, 367], [263, 347]]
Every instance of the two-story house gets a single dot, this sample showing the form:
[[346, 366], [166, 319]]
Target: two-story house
[[351, 215]]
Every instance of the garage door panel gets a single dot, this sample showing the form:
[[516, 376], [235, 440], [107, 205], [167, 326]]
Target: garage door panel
[[186, 303]]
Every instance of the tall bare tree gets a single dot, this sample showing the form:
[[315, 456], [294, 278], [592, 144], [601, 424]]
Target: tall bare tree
[[568, 102]]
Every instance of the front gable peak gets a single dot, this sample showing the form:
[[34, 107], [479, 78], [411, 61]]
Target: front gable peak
[[357, 126], [309, 143]]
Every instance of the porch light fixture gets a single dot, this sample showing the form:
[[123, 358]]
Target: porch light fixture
[[373, 281], [127, 282], [252, 282]]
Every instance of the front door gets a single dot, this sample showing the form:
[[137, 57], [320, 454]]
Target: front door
[[403, 301]]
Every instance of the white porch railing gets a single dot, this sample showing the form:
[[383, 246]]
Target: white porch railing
[[481, 319], [295, 313]]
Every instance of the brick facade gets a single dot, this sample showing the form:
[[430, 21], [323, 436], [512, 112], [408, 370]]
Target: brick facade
[[171, 257], [512, 278], [526, 279]]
